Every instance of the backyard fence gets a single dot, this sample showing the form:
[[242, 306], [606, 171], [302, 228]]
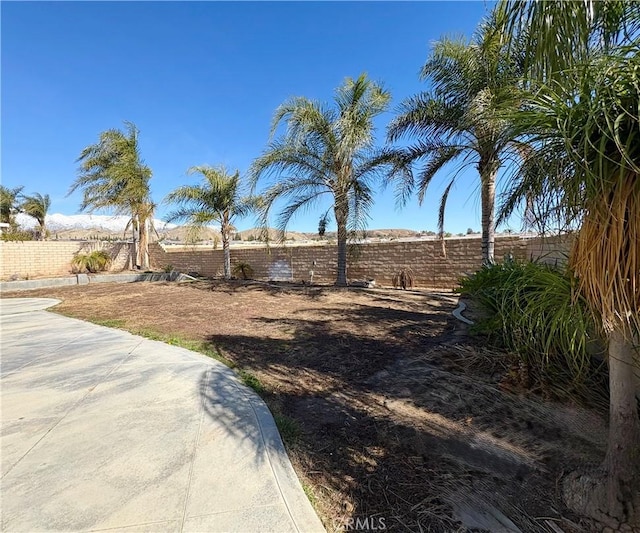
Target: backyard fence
[[379, 261]]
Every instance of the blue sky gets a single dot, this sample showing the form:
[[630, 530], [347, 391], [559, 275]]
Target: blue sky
[[201, 81]]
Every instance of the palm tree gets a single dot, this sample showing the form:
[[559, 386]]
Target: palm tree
[[218, 199], [36, 206], [458, 119], [327, 151], [583, 114], [9, 204], [113, 177]]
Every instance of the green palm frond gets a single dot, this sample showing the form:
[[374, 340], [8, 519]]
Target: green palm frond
[[36, 206], [460, 119], [112, 174], [327, 151], [436, 156], [218, 198], [323, 150], [442, 207], [9, 203]]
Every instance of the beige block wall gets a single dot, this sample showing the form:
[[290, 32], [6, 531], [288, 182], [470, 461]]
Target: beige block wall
[[39, 259], [379, 261]]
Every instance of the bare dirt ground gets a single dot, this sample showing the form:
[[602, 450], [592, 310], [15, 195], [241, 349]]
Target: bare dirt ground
[[397, 417]]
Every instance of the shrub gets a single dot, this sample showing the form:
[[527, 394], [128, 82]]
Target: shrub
[[403, 279], [17, 235], [533, 310], [96, 261], [242, 269]]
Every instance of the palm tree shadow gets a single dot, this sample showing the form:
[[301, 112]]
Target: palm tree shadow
[[241, 421]]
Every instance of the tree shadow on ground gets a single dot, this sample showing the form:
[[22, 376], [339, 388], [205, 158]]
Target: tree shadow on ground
[[388, 428]]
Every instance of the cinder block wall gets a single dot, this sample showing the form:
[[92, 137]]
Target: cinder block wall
[[379, 261], [38, 259]]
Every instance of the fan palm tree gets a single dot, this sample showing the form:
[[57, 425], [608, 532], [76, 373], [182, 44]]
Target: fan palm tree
[[327, 151], [583, 114], [457, 121], [218, 199], [36, 206], [113, 177], [9, 204]]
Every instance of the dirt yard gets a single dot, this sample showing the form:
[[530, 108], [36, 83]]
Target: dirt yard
[[395, 416]]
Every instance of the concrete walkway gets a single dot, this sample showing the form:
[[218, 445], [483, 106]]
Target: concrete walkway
[[103, 430]]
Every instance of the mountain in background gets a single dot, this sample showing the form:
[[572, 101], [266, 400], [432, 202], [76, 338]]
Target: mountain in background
[[93, 227], [110, 223]]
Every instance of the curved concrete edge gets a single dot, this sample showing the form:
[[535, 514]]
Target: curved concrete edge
[[14, 306], [296, 501], [457, 312]]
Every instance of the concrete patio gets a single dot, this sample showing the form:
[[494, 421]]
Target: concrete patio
[[104, 430]]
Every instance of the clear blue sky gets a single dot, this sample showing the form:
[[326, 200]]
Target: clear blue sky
[[201, 81]]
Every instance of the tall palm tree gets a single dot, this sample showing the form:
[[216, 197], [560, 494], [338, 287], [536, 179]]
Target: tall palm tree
[[36, 206], [9, 204], [457, 120], [113, 177], [583, 112], [326, 151], [218, 199]]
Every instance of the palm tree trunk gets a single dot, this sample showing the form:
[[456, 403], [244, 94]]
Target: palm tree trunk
[[341, 213], [227, 257], [488, 172], [144, 243], [225, 231], [135, 244], [622, 463]]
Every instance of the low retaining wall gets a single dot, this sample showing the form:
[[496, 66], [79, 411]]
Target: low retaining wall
[[85, 279]]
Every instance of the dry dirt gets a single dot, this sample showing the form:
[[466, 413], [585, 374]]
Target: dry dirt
[[396, 416]]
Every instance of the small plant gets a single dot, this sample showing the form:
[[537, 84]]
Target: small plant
[[96, 261], [168, 269], [251, 381], [403, 279], [242, 269], [289, 429]]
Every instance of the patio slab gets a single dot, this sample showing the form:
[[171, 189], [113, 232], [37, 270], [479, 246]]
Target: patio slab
[[103, 430]]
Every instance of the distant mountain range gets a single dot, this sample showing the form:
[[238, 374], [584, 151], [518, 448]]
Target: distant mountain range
[[76, 227], [60, 222]]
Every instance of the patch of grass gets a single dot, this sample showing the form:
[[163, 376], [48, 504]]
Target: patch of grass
[[251, 381], [289, 428], [310, 494], [110, 323]]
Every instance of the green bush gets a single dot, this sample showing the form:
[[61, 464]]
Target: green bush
[[242, 269], [93, 262], [17, 235], [534, 311]]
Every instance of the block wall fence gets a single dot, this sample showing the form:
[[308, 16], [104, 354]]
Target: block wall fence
[[379, 261], [40, 259]]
